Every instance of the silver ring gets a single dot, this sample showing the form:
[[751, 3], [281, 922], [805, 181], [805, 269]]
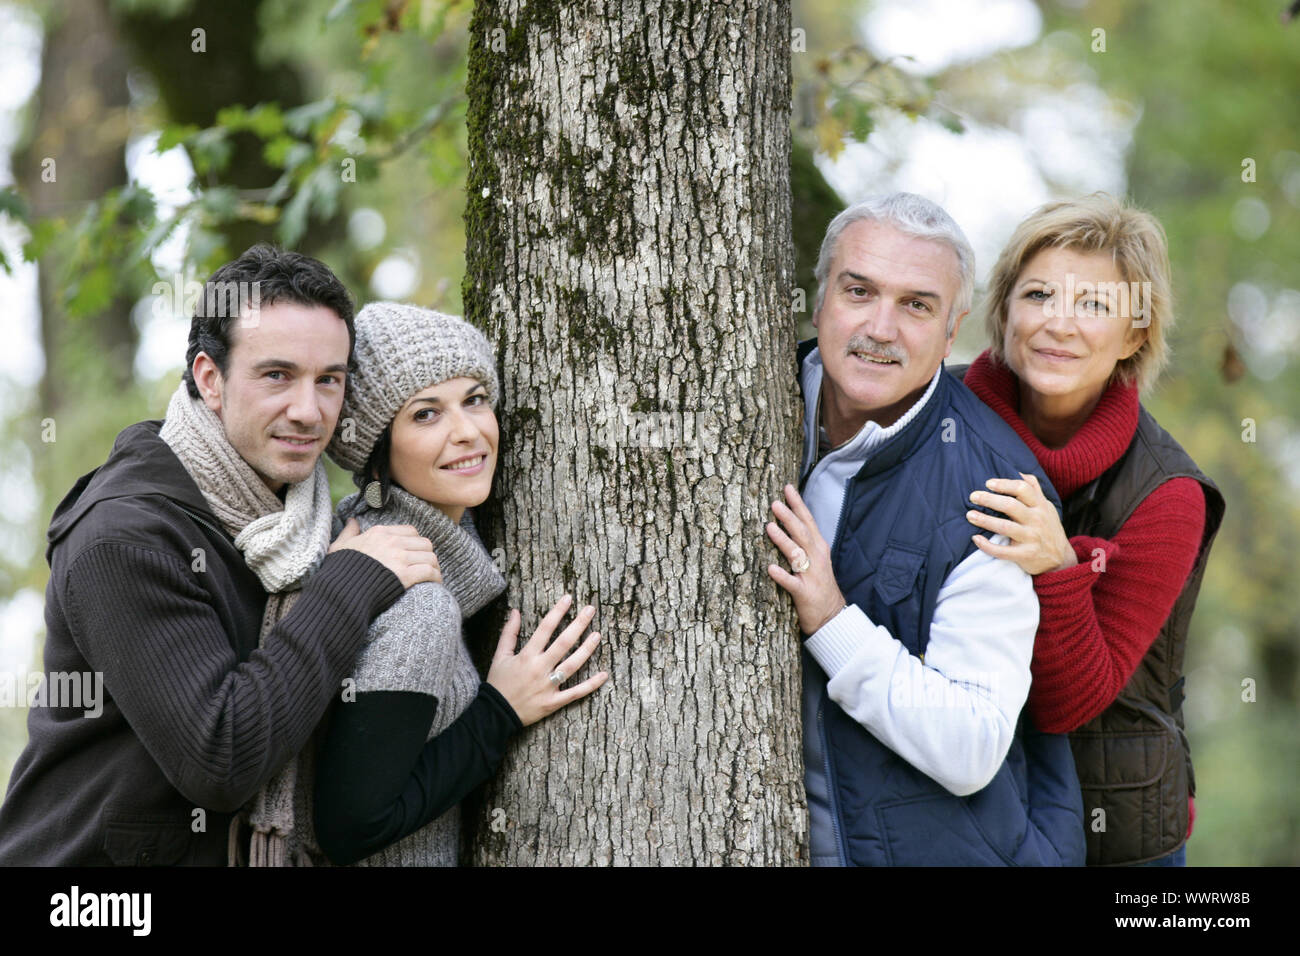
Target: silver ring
[[802, 564], [557, 677]]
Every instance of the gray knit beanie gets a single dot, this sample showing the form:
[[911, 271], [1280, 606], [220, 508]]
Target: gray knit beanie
[[400, 350]]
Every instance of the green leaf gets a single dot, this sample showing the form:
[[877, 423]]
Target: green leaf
[[372, 106], [44, 232], [325, 193], [137, 204], [92, 292], [280, 189], [301, 119], [233, 118], [174, 135], [266, 120], [211, 151], [220, 202], [13, 204], [207, 249], [294, 222], [859, 119], [951, 122], [276, 151]]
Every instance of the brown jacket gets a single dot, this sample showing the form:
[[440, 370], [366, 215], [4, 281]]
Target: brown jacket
[[194, 718]]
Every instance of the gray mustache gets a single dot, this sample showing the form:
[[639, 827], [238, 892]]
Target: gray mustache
[[860, 343]]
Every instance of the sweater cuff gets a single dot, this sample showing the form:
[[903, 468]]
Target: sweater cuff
[[503, 706], [1092, 555], [841, 639], [357, 574]]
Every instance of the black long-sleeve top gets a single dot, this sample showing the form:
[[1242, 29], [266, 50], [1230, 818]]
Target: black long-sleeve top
[[379, 780]]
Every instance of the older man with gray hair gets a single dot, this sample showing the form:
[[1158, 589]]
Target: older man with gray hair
[[917, 644]]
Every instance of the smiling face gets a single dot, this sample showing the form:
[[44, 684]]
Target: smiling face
[[444, 445], [280, 396], [881, 328], [1069, 321]]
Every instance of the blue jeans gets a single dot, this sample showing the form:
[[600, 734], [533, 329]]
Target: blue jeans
[[1177, 858]]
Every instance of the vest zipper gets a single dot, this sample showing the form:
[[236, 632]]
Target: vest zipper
[[830, 783], [821, 703], [839, 519]]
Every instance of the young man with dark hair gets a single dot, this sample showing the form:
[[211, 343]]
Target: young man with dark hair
[[193, 574]]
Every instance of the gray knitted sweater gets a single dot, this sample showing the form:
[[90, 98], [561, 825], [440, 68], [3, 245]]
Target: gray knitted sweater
[[417, 645]]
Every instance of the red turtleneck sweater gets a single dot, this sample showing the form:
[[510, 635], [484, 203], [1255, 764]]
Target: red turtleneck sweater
[[1094, 628]]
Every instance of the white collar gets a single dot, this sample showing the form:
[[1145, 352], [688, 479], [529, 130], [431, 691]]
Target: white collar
[[870, 434]]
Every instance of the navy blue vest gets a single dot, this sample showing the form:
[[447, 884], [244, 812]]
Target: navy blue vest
[[902, 530]]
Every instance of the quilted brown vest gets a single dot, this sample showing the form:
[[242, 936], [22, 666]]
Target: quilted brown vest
[[1133, 760]]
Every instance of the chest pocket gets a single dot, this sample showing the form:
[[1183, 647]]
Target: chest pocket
[[896, 572]]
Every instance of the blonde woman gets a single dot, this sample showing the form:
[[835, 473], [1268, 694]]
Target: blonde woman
[[1078, 310]]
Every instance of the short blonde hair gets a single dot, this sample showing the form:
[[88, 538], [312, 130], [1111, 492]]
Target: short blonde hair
[[1096, 223]]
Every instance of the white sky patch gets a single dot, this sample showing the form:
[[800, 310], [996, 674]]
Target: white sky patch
[[1270, 329], [396, 276], [21, 358], [1079, 137], [168, 176], [164, 329], [21, 618], [20, 55], [366, 228], [984, 178], [20, 71], [164, 337], [938, 33]]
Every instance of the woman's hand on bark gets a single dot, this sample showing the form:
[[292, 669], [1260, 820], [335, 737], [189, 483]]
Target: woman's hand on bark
[[531, 679]]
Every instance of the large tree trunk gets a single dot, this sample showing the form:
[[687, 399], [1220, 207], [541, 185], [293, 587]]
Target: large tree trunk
[[80, 126], [629, 252]]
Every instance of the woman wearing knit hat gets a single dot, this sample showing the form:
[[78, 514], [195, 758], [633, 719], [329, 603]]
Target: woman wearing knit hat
[[1078, 308], [419, 434]]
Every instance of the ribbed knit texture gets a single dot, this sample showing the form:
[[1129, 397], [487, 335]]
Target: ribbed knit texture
[[1095, 627], [400, 350], [1098, 443], [226, 746], [417, 645]]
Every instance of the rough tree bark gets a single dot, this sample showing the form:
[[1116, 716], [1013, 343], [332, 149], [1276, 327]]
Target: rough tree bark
[[629, 253]]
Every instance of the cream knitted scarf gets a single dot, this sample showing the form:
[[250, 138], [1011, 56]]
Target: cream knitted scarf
[[282, 543]]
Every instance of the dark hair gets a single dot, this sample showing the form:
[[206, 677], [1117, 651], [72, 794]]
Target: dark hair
[[273, 275]]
